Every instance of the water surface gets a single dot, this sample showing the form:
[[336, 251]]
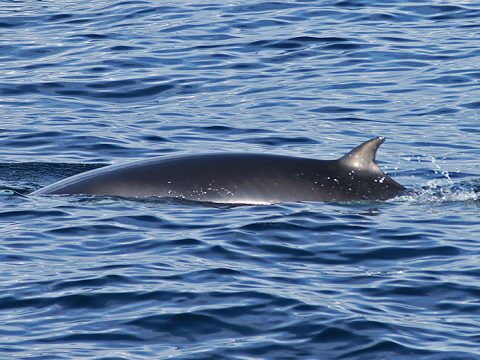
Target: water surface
[[88, 84]]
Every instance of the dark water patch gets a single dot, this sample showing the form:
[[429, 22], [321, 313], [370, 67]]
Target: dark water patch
[[447, 80], [144, 92], [8, 24], [230, 130], [336, 338], [97, 69], [279, 141], [245, 66], [90, 36], [472, 105], [155, 139], [343, 46], [469, 130], [31, 139], [127, 90], [334, 110], [124, 48], [98, 229], [14, 20], [17, 89], [59, 17], [16, 215], [373, 102], [27, 175], [308, 39], [386, 348], [300, 42], [189, 327]]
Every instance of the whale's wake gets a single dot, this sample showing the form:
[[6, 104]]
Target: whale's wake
[[443, 191]]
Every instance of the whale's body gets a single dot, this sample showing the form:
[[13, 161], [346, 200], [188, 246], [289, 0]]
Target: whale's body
[[240, 178]]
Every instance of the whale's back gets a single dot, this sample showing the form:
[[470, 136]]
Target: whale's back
[[240, 178]]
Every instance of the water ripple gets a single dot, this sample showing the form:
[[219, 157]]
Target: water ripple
[[89, 84]]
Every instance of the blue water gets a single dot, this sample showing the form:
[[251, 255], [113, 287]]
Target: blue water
[[89, 83]]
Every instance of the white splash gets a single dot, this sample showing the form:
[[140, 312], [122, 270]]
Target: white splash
[[443, 190]]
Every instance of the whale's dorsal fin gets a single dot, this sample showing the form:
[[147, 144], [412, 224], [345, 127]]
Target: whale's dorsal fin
[[363, 156]]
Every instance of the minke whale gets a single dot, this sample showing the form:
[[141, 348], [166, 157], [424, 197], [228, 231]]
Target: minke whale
[[241, 178]]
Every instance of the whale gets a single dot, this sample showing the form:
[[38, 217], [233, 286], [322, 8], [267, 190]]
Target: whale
[[240, 178]]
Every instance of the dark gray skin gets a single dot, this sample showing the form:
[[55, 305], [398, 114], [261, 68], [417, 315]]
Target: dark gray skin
[[241, 178]]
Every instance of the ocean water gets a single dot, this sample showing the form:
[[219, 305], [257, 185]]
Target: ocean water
[[89, 83]]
